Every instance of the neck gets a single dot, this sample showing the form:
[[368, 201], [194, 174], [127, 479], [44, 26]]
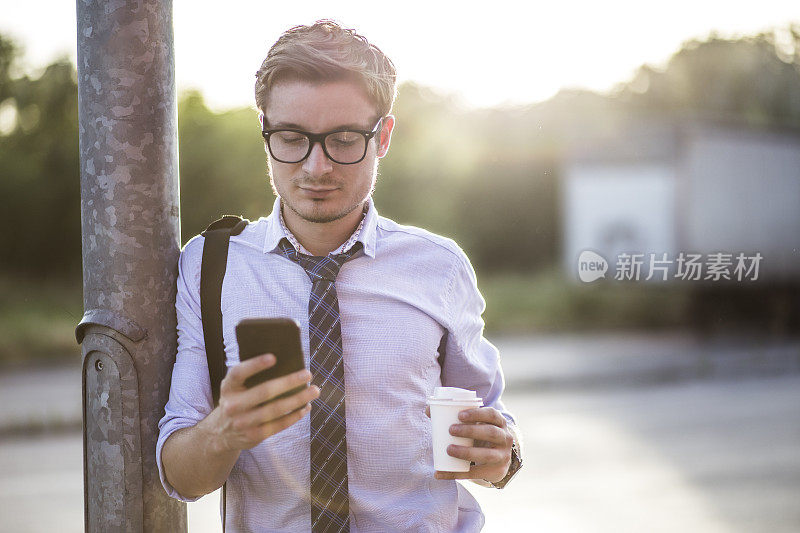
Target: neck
[[321, 238]]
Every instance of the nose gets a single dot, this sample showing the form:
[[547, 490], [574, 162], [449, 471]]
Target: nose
[[317, 163]]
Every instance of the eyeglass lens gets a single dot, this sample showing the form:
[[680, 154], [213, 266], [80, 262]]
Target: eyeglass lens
[[343, 146]]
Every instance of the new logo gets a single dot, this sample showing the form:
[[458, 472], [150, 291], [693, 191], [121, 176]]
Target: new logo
[[591, 266]]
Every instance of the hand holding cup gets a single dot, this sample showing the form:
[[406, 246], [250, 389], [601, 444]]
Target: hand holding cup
[[477, 441]]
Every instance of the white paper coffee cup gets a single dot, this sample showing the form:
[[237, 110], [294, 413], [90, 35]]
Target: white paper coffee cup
[[445, 404]]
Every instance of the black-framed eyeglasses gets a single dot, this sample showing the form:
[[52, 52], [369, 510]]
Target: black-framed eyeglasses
[[344, 146]]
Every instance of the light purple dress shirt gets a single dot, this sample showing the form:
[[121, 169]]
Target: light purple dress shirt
[[397, 298]]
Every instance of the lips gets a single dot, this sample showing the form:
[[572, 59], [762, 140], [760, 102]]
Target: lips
[[319, 193]]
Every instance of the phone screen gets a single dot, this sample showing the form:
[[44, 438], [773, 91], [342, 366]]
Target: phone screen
[[278, 336]]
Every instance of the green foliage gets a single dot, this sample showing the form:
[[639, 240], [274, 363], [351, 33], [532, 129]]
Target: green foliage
[[40, 184], [548, 302], [8, 53], [479, 177], [755, 79], [222, 165], [508, 218], [38, 319]]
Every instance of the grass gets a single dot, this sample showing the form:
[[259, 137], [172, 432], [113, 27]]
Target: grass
[[38, 319], [548, 302]]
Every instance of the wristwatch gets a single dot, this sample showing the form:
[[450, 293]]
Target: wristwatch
[[516, 464]]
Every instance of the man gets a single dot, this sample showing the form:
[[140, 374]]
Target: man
[[362, 462]]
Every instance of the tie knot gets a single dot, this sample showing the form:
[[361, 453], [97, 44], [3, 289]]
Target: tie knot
[[316, 267]]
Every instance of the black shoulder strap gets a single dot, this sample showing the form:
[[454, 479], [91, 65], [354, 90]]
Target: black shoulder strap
[[212, 272]]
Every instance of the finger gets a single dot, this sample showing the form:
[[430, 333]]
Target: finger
[[277, 408], [428, 411], [488, 415], [476, 472], [480, 456], [485, 432], [279, 424], [271, 388], [234, 379]]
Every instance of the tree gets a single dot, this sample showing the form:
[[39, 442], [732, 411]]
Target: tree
[[222, 165], [40, 183], [755, 79]]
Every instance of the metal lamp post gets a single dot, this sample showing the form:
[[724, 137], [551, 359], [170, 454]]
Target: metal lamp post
[[131, 242]]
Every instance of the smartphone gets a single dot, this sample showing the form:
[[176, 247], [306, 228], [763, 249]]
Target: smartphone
[[278, 336]]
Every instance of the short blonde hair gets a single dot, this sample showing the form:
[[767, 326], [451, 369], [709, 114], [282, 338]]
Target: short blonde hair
[[325, 51]]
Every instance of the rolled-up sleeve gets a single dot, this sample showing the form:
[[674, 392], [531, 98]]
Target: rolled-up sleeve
[[471, 361], [190, 393]]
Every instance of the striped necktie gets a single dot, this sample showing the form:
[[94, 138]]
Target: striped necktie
[[330, 508]]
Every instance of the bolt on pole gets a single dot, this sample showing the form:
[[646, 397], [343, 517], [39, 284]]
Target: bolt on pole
[[131, 242]]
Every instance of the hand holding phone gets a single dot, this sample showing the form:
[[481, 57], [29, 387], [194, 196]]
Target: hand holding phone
[[268, 390]]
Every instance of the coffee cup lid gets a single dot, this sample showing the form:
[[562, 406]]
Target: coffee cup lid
[[454, 394]]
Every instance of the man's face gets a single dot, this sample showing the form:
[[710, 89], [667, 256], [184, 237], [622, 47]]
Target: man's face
[[317, 189]]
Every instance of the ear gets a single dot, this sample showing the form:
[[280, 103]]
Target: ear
[[385, 135], [261, 127]]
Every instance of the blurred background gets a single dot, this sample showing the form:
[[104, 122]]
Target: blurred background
[[527, 135]]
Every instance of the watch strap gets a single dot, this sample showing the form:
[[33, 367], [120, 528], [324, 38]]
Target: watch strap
[[516, 464]]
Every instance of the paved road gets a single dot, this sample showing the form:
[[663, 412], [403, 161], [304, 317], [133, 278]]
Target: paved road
[[697, 456]]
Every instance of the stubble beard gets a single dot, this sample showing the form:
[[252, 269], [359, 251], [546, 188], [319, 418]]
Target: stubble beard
[[320, 217]]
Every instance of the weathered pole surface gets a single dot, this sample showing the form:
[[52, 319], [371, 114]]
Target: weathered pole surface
[[131, 240]]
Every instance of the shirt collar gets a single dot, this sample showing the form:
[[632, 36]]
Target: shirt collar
[[367, 235]]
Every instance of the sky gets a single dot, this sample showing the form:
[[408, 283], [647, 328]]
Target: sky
[[487, 53]]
